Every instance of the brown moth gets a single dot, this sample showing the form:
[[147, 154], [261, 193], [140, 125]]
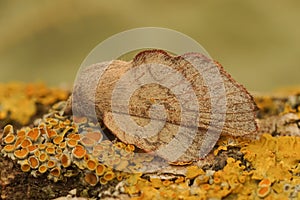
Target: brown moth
[[94, 93]]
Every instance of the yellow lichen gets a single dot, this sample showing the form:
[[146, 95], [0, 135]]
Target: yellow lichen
[[231, 180], [193, 171], [26, 96], [269, 168], [273, 157]]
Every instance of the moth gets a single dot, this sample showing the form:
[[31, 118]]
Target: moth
[[163, 103]]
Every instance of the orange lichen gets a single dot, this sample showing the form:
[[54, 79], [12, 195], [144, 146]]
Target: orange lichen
[[43, 168], [32, 148], [43, 157], [33, 162], [118, 145], [42, 146], [51, 163], [58, 152], [72, 143], [62, 145], [50, 150], [10, 138], [58, 139], [91, 165], [91, 178], [102, 181], [100, 169], [51, 133], [8, 129], [21, 153], [21, 133], [269, 169], [8, 148], [55, 172], [130, 148], [74, 136], [33, 134], [25, 167], [65, 160], [109, 175], [265, 183], [26, 143], [79, 151], [54, 144], [167, 182], [263, 191], [217, 180]]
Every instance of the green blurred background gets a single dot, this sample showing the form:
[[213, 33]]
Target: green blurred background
[[258, 42]]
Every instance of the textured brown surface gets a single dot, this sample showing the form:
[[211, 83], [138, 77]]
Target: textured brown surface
[[240, 107]]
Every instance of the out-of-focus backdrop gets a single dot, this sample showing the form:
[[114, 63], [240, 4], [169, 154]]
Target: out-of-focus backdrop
[[257, 42]]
